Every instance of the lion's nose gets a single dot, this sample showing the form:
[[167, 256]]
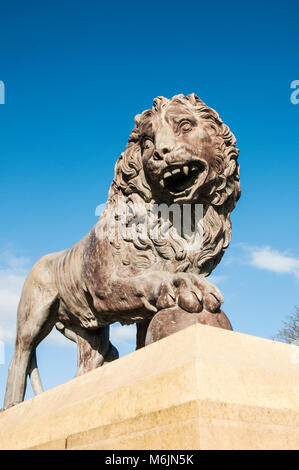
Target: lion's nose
[[164, 141], [161, 153], [164, 148]]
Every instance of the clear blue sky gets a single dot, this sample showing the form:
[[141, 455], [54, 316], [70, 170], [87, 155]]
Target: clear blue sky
[[75, 75]]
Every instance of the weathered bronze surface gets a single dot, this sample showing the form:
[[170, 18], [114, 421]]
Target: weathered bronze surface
[[170, 320], [179, 153]]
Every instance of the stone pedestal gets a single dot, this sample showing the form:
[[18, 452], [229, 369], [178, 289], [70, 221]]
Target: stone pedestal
[[200, 388]]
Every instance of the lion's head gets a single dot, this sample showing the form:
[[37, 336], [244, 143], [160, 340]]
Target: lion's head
[[181, 152]]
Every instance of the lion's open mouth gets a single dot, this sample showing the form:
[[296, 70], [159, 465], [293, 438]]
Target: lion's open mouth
[[178, 178]]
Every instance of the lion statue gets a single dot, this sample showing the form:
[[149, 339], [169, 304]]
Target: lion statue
[[129, 267]]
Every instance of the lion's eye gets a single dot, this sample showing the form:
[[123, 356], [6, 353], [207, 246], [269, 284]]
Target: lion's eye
[[185, 126], [147, 144]]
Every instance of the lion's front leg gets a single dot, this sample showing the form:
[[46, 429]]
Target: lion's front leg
[[141, 333], [186, 300], [156, 290]]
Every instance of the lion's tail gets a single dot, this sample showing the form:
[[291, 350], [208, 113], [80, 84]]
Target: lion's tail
[[34, 375]]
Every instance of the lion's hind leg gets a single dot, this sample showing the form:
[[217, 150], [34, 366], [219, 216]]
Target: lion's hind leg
[[37, 312], [34, 375], [141, 333]]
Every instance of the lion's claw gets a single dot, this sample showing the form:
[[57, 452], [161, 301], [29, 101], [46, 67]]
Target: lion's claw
[[189, 301], [165, 301], [212, 304], [167, 297], [191, 292]]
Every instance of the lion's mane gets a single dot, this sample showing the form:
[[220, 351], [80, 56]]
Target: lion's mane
[[223, 192]]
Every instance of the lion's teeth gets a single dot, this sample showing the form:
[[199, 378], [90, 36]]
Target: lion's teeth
[[167, 175], [177, 170], [193, 168], [186, 170], [162, 183]]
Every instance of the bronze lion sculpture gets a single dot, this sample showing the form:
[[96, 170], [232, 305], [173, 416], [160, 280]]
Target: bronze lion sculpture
[[181, 153]]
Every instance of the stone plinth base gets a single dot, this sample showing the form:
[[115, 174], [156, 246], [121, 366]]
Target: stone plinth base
[[201, 388]]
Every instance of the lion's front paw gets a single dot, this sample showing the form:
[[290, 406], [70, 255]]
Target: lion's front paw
[[191, 292]]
